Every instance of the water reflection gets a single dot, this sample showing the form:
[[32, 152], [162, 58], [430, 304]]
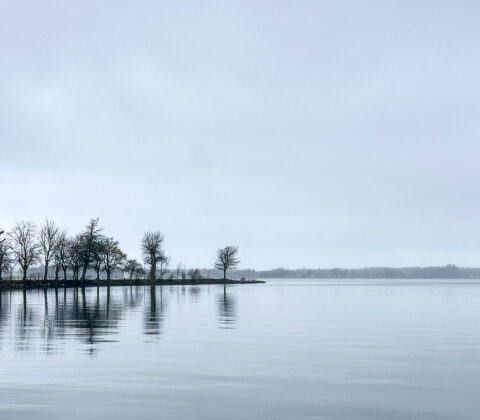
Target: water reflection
[[46, 320], [226, 310], [154, 311]]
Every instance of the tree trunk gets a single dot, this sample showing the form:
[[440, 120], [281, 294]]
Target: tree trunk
[[24, 275], [224, 275], [153, 268], [84, 273], [108, 275], [98, 273], [57, 270], [45, 272], [65, 274]]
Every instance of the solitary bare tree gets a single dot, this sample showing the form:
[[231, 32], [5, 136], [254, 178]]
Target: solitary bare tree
[[25, 248], [48, 239], [112, 256], [152, 251], [227, 259]]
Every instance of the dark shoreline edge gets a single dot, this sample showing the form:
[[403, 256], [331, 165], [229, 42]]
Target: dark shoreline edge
[[51, 284]]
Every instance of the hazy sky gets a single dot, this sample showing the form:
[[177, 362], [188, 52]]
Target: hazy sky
[[309, 133]]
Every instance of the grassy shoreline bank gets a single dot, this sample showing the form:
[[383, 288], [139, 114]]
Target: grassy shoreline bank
[[52, 284]]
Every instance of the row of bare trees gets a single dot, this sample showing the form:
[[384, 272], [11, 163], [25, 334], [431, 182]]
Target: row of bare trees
[[72, 257], [25, 245]]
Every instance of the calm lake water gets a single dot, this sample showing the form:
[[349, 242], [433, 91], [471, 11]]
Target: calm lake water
[[288, 349]]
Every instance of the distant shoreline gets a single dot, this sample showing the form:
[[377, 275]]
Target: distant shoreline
[[433, 272], [52, 284]]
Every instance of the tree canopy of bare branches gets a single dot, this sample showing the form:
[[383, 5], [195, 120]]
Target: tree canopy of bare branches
[[97, 256], [61, 254], [132, 267], [48, 239], [25, 248], [89, 240], [112, 256], [227, 259], [75, 253], [5, 260], [152, 251], [195, 274]]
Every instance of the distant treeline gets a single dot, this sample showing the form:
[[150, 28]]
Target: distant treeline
[[442, 272]]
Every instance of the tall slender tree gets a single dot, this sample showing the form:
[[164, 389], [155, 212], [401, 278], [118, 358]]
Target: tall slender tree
[[25, 248], [61, 255], [5, 259], [152, 243], [89, 240], [75, 250], [48, 239]]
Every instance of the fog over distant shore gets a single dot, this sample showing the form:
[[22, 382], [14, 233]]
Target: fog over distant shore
[[440, 272]]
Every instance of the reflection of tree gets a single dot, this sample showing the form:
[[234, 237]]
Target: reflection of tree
[[194, 293], [132, 297], [26, 319], [48, 326], [154, 312], [47, 318], [226, 310], [5, 309], [87, 317]]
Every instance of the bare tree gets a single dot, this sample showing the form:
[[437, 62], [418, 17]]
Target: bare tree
[[5, 260], [48, 240], [178, 270], [25, 248], [112, 256], [164, 261], [1, 233], [131, 267], [61, 255], [227, 259], [140, 273], [89, 240], [195, 274], [152, 251], [97, 257], [75, 252]]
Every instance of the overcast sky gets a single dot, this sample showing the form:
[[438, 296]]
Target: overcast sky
[[319, 134]]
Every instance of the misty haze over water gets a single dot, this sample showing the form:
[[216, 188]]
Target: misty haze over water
[[156, 142], [363, 349]]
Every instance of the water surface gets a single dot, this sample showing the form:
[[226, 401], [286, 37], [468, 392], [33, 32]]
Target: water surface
[[288, 349]]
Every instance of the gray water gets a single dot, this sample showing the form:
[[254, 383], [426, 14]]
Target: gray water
[[288, 349]]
